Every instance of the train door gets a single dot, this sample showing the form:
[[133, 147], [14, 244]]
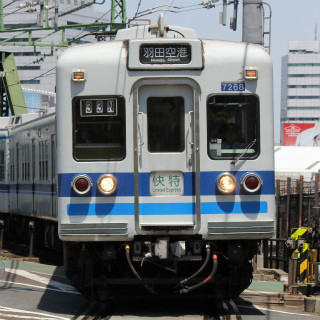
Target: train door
[[53, 174], [17, 174], [165, 180]]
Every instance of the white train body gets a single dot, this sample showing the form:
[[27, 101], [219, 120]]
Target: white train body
[[161, 192]]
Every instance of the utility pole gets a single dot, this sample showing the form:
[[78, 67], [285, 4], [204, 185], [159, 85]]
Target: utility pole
[[118, 12]]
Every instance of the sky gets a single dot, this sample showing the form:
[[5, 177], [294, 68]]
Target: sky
[[291, 20]]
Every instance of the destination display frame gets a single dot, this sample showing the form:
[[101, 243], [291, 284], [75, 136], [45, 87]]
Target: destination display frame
[[166, 53]]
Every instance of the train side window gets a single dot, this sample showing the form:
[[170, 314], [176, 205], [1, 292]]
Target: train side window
[[40, 160], [99, 128], [25, 162], [43, 160], [2, 164], [233, 126], [12, 168], [165, 124]]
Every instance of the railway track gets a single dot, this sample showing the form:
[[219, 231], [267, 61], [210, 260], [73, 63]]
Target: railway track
[[225, 310]]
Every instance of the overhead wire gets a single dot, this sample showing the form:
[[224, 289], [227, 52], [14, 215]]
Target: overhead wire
[[5, 15], [171, 4], [139, 4], [96, 29], [41, 75], [8, 4], [169, 8]]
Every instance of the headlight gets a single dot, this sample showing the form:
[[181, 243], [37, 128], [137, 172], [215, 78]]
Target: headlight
[[107, 184], [226, 183], [81, 184], [251, 182]]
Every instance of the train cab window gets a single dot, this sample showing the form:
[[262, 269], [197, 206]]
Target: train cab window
[[233, 126], [165, 124], [99, 129]]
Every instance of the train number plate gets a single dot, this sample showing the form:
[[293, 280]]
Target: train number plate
[[233, 86], [166, 183], [98, 107]]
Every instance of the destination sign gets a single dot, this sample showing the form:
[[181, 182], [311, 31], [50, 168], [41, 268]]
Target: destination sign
[[165, 53], [98, 107]]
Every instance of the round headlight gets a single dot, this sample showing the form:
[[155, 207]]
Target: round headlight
[[81, 184], [226, 183], [251, 182], [107, 184]]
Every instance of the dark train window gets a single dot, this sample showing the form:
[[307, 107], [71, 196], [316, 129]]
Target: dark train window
[[233, 126], [99, 128], [165, 124], [2, 165]]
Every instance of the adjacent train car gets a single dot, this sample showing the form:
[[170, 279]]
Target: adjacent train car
[[4, 155], [27, 176], [164, 161]]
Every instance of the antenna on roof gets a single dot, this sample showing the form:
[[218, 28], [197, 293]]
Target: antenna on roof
[[316, 32]]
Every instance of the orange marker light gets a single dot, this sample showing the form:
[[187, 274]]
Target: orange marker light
[[251, 74], [78, 76]]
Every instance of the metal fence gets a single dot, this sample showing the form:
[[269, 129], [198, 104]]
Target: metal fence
[[295, 200]]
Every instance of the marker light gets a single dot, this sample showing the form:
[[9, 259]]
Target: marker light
[[251, 182], [107, 184], [226, 183], [79, 76], [251, 74], [81, 184]]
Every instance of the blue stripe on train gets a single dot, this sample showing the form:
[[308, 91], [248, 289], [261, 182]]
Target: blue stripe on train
[[29, 188], [103, 209], [126, 183]]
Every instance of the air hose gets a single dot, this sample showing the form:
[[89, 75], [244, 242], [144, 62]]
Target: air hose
[[205, 281], [183, 282], [150, 289], [130, 263]]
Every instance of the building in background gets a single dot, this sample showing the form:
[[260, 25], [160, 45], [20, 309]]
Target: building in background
[[293, 162], [37, 100], [36, 66], [300, 94]]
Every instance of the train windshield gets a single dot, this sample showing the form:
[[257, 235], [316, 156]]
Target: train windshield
[[99, 128], [233, 126], [165, 124]]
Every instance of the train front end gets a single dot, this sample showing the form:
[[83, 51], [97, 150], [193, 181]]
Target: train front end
[[165, 162]]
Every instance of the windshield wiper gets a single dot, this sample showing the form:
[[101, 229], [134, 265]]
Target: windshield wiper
[[251, 144]]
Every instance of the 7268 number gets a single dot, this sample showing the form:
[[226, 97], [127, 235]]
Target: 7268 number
[[233, 86]]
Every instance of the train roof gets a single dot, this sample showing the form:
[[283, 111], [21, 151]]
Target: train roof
[[143, 32], [23, 119]]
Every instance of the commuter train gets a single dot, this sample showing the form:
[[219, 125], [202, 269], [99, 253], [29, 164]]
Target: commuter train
[[160, 172]]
